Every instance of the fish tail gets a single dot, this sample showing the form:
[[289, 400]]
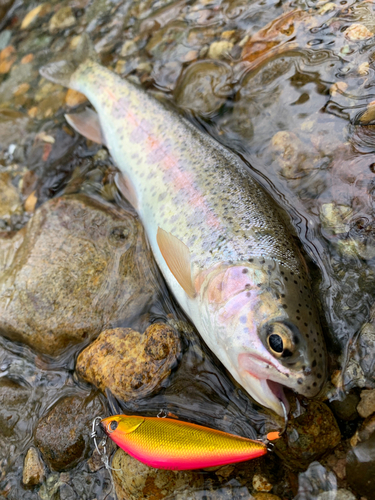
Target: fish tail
[[61, 72]]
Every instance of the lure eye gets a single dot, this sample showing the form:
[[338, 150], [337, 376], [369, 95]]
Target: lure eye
[[280, 340], [112, 426]]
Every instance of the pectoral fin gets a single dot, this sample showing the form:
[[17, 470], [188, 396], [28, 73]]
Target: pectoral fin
[[177, 257], [87, 124]]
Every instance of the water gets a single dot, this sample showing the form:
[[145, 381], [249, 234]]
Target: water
[[287, 86]]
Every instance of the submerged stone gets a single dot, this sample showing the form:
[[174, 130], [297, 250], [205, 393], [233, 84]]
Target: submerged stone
[[132, 365], [78, 267], [33, 469], [63, 435]]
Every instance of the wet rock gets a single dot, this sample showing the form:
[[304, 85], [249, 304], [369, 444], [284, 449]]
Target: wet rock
[[308, 436], [7, 59], [265, 496], [220, 49], [38, 12], [289, 153], [347, 408], [33, 469], [366, 349], [136, 481], [204, 87], [261, 483], [316, 480], [13, 399], [63, 435], [62, 19], [335, 218], [360, 468], [81, 267], [10, 202], [367, 404], [357, 32], [74, 98], [132, 365]]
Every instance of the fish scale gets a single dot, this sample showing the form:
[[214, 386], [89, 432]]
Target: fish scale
[[205, 218]]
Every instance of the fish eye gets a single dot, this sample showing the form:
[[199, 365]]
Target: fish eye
[[280, 340], [112, 426]]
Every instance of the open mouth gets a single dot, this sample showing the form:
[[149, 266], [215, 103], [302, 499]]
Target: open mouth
[[265, 391]]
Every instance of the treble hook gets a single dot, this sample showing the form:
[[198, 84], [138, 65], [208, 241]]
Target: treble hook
[[103, 443]]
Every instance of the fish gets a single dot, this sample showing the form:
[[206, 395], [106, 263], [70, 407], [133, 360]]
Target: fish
[[222, 243], [166, 443]]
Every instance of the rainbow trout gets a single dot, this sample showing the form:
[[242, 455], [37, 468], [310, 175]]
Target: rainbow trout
[[217, 236]]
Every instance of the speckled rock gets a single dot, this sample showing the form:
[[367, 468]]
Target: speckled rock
[[81, 266], [261, 483], [367, 404], [63, 435], [136, 481], [132, 365], [33, 469], [308, 436]]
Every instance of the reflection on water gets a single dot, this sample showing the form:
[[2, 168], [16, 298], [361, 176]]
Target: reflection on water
[[289, 87]]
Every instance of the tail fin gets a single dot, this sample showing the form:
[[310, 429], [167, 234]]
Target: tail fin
[[61, 71]]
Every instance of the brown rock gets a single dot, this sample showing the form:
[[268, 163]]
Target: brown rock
[[265, 496], [7, 59], [33, 469], [136, 481], [63, 435], [79, 267], [73, 98], [10, 202], [366, 406], [132, 365], [308, 436]]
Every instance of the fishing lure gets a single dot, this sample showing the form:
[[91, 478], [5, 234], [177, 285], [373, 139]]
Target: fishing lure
[[166, 443]]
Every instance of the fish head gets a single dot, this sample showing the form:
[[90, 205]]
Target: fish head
[[264, 327], [117, 427]]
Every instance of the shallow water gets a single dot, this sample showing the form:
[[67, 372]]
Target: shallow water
[[289, 87]]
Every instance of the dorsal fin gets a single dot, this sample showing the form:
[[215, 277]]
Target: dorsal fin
[[130, 424], [177, 257], [87, 124]]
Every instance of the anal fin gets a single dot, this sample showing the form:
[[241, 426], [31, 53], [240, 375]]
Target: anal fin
[[177, 257], [87, 124]]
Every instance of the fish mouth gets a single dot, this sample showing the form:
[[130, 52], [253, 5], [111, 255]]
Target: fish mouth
[[266, 392]]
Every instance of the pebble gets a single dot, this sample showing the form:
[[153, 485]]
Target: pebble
[[33, 469], [10, 202], [21, 89], [136, 481], [335, 218], [62, 19], [74, 98], [366, 406], [7, 59], [39, 11], [338, 88], [357, 32], [129, 47], [347, 408], [265, 496], [63, 435], [220, 49], [132, 365], [261, 483]]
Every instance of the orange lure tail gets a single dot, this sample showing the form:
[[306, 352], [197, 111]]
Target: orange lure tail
[[165, 443]]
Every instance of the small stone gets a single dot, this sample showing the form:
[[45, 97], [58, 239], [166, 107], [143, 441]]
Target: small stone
[[343, 494], [347, 408], [219, 49], [363, 69], [227, 35], [64, 18], [136, 481], [30, 202], [327, 8], [265, 496], [338, 88], [261, 483], [10, 202], [74, 98], [335, 218], [129, 47], [357, 32], [62, 435], [366, 406], [369, 114], [7, 59], [33, 469], [39, 11], [21, 89], [130, 364]]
